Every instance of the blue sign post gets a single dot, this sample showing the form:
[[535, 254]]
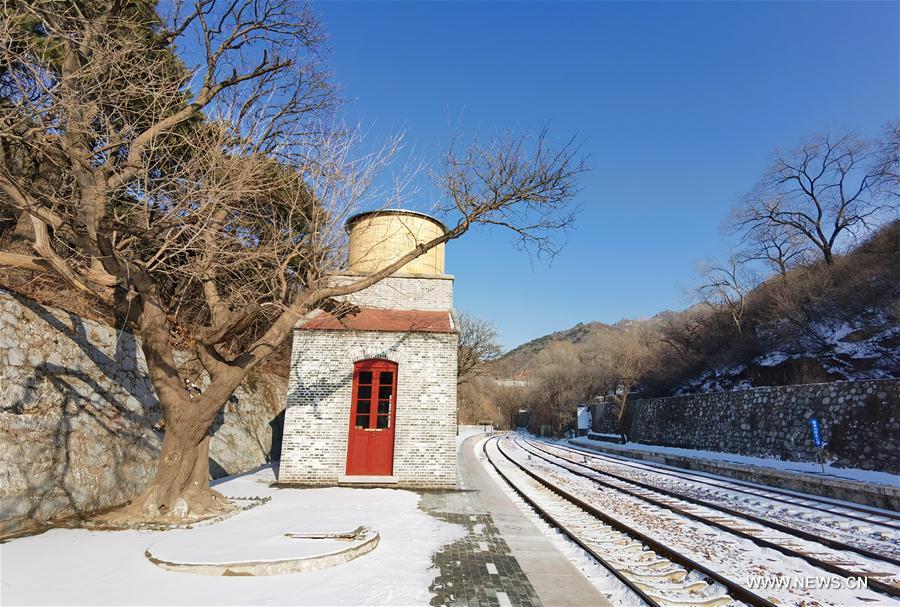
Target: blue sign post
[[817, 440], [817, 436]]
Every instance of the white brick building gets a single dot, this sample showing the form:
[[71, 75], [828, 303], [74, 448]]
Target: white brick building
[[372, 397]]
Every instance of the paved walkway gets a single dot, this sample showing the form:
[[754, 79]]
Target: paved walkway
[[504, 560]]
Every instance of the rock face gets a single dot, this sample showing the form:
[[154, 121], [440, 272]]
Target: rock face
[[78, 412], [860, 421]]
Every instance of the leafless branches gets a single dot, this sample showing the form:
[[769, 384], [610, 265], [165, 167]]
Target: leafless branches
[[725, 288], [626, 360], [890, 156], [183, 167], [833, 186], [564, 375], [519, 183], [477, 346], [777, 246]]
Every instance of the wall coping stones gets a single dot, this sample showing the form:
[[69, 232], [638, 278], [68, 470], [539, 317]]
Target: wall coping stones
[[762, 389]]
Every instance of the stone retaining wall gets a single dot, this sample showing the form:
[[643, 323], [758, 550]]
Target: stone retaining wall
[[79, 418], [860, 422]]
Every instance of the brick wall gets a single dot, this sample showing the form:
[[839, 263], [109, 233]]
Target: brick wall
[[860, 420], [317, 420], [404, 292]]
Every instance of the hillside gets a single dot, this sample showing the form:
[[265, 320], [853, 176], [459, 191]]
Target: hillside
[[816, 323], [516, 362]]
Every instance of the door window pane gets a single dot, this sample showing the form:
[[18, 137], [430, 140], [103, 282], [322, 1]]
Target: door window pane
[[374, 395]]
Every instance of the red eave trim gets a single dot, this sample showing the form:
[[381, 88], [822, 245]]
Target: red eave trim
[[377, 319]]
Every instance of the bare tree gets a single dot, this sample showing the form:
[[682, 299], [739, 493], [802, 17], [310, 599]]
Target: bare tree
[[796, 304], [201, 195], [684, 332], [831, 187], [725, 287], [478, 401], [477, 346], [777, 246], [890, 156], [626, 360], [508, 400], [590, 379], [553, 388]]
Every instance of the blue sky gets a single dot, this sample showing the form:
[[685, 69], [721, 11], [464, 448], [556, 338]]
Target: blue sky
[[678, 105]]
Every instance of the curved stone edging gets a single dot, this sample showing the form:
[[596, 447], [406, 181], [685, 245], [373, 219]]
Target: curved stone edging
[[95, 525], [281, 566], [340, 535]]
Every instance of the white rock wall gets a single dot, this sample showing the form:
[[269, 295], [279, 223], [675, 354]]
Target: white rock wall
[[77, 417]]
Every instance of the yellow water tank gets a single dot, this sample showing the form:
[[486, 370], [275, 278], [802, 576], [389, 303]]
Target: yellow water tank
[[378, 238]]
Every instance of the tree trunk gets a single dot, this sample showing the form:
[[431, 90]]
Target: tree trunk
[[23, 234], [621, 413], [180, 489]]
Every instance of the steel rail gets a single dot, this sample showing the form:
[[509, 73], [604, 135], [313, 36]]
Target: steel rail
[[806, 535], [749, 488], [735, 590], [567, 532], [873, 582]]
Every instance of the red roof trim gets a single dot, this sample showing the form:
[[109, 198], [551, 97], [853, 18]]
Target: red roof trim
[[377, 319]]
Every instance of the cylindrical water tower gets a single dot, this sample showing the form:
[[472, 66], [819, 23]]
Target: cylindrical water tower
[[379, 238], [389, 366]]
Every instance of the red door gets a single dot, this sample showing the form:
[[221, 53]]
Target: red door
[[370, 446]]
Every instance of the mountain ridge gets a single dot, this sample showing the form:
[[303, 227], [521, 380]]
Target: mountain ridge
[[818, 322]]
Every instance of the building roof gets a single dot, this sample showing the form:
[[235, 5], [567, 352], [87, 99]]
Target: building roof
[[383, 212], [378, 319]]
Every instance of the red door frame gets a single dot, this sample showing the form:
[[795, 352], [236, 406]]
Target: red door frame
[[370, 445]]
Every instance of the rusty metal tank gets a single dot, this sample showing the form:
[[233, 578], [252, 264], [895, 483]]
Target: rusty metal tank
[[378, 238]]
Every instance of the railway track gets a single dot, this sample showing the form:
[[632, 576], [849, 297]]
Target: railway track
[[792, 499], [834, 557], [657, 574], [888, 549]]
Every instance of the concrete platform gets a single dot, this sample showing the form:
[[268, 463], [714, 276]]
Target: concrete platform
[[860, 492], [505, 560]]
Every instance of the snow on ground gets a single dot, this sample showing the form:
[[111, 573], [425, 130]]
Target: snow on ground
[[855, 349], [856, 474], [81, 567]]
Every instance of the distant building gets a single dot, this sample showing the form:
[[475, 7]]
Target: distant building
[[523, 416], [583, 420], [511, 383], [372, 396]]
